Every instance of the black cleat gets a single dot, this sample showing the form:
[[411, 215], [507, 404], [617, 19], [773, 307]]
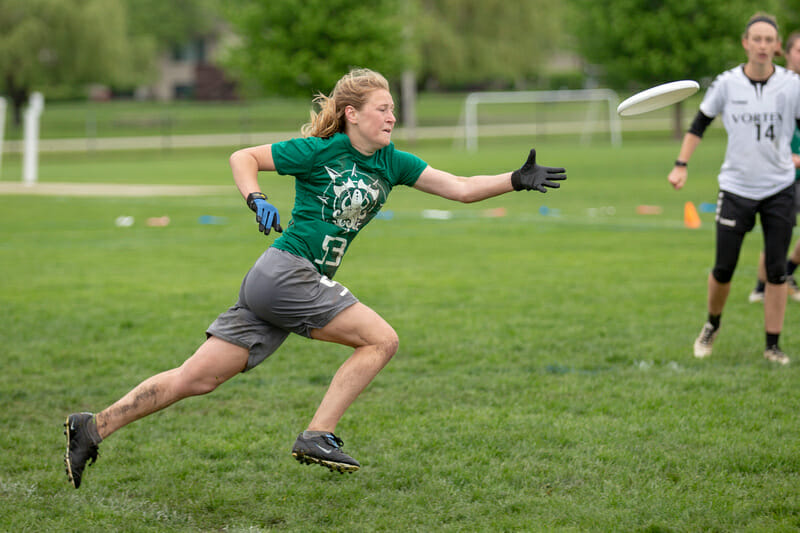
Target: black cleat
[[325, 450], [80, 446]]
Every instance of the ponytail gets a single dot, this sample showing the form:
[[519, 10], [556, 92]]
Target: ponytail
[[327, 121]]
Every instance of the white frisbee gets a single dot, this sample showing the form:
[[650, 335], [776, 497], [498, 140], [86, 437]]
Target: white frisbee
[[658, 97]]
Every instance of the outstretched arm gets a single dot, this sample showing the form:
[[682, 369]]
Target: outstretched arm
[[460, 188], [530, 176]]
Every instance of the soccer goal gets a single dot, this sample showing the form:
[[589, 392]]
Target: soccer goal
[[584, 119]]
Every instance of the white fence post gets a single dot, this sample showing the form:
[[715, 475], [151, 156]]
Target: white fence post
[[30, 161], [471, 121]]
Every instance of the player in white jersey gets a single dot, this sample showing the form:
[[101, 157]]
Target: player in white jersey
[[792, 53], [759, 103]]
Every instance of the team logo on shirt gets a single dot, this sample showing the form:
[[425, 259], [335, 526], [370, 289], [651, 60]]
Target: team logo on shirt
[[352, 197]]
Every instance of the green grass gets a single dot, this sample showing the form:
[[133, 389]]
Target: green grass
[[544, 379]]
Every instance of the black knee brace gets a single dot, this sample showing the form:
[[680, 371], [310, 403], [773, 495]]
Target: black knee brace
[[729, 243], [776, 272], [722, 274]]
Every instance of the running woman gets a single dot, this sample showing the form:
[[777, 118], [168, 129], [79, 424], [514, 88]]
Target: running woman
[[760, 107], [344, 168]]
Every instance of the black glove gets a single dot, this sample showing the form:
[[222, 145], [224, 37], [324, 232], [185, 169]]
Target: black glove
[[266, 214], [533, 176]]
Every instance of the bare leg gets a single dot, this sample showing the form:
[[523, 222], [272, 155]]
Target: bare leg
[[375, 343], [795, 255], [774, 307], [762, 269], [214, 362]]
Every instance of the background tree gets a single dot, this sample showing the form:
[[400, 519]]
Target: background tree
[[639, 43], [300, 47], [487, 42], [44, 43], [789, 17], [172, 22]]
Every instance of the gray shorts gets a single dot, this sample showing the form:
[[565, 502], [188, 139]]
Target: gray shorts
[[281, 294]]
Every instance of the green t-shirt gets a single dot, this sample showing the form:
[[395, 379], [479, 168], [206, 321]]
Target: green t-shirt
[[337, 191]]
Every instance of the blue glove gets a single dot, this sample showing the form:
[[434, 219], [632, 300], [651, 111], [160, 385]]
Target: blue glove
[[266, 214]]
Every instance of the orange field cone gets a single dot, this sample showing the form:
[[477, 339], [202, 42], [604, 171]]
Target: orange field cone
[[690, 217]]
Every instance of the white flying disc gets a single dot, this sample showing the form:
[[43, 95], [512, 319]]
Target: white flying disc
[[658, 97]]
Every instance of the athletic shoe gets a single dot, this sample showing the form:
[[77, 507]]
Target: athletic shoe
[[325, 450], [775, 355], [756, 296], [80, 446], [793, 289], [702, 346]]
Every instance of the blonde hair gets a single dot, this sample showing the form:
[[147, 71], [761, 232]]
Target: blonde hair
[[351, 90]]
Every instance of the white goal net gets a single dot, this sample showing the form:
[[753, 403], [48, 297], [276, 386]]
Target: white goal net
[[584, 112]]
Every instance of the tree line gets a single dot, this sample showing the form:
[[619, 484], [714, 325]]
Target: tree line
[[291, 47]]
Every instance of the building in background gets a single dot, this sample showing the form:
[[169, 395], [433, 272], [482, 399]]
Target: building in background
[[188, 72]]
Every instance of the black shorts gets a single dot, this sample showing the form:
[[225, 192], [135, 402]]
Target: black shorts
[[738, 214], [796, 198]]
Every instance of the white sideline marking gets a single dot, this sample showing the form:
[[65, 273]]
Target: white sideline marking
[[110, 189]]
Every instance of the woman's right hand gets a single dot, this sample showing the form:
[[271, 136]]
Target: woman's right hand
[[678, 177]]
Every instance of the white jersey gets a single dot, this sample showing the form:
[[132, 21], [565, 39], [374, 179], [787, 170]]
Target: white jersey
[[760, 118]]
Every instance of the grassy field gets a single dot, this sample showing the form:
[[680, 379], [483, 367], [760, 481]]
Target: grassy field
[[544, 381]]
